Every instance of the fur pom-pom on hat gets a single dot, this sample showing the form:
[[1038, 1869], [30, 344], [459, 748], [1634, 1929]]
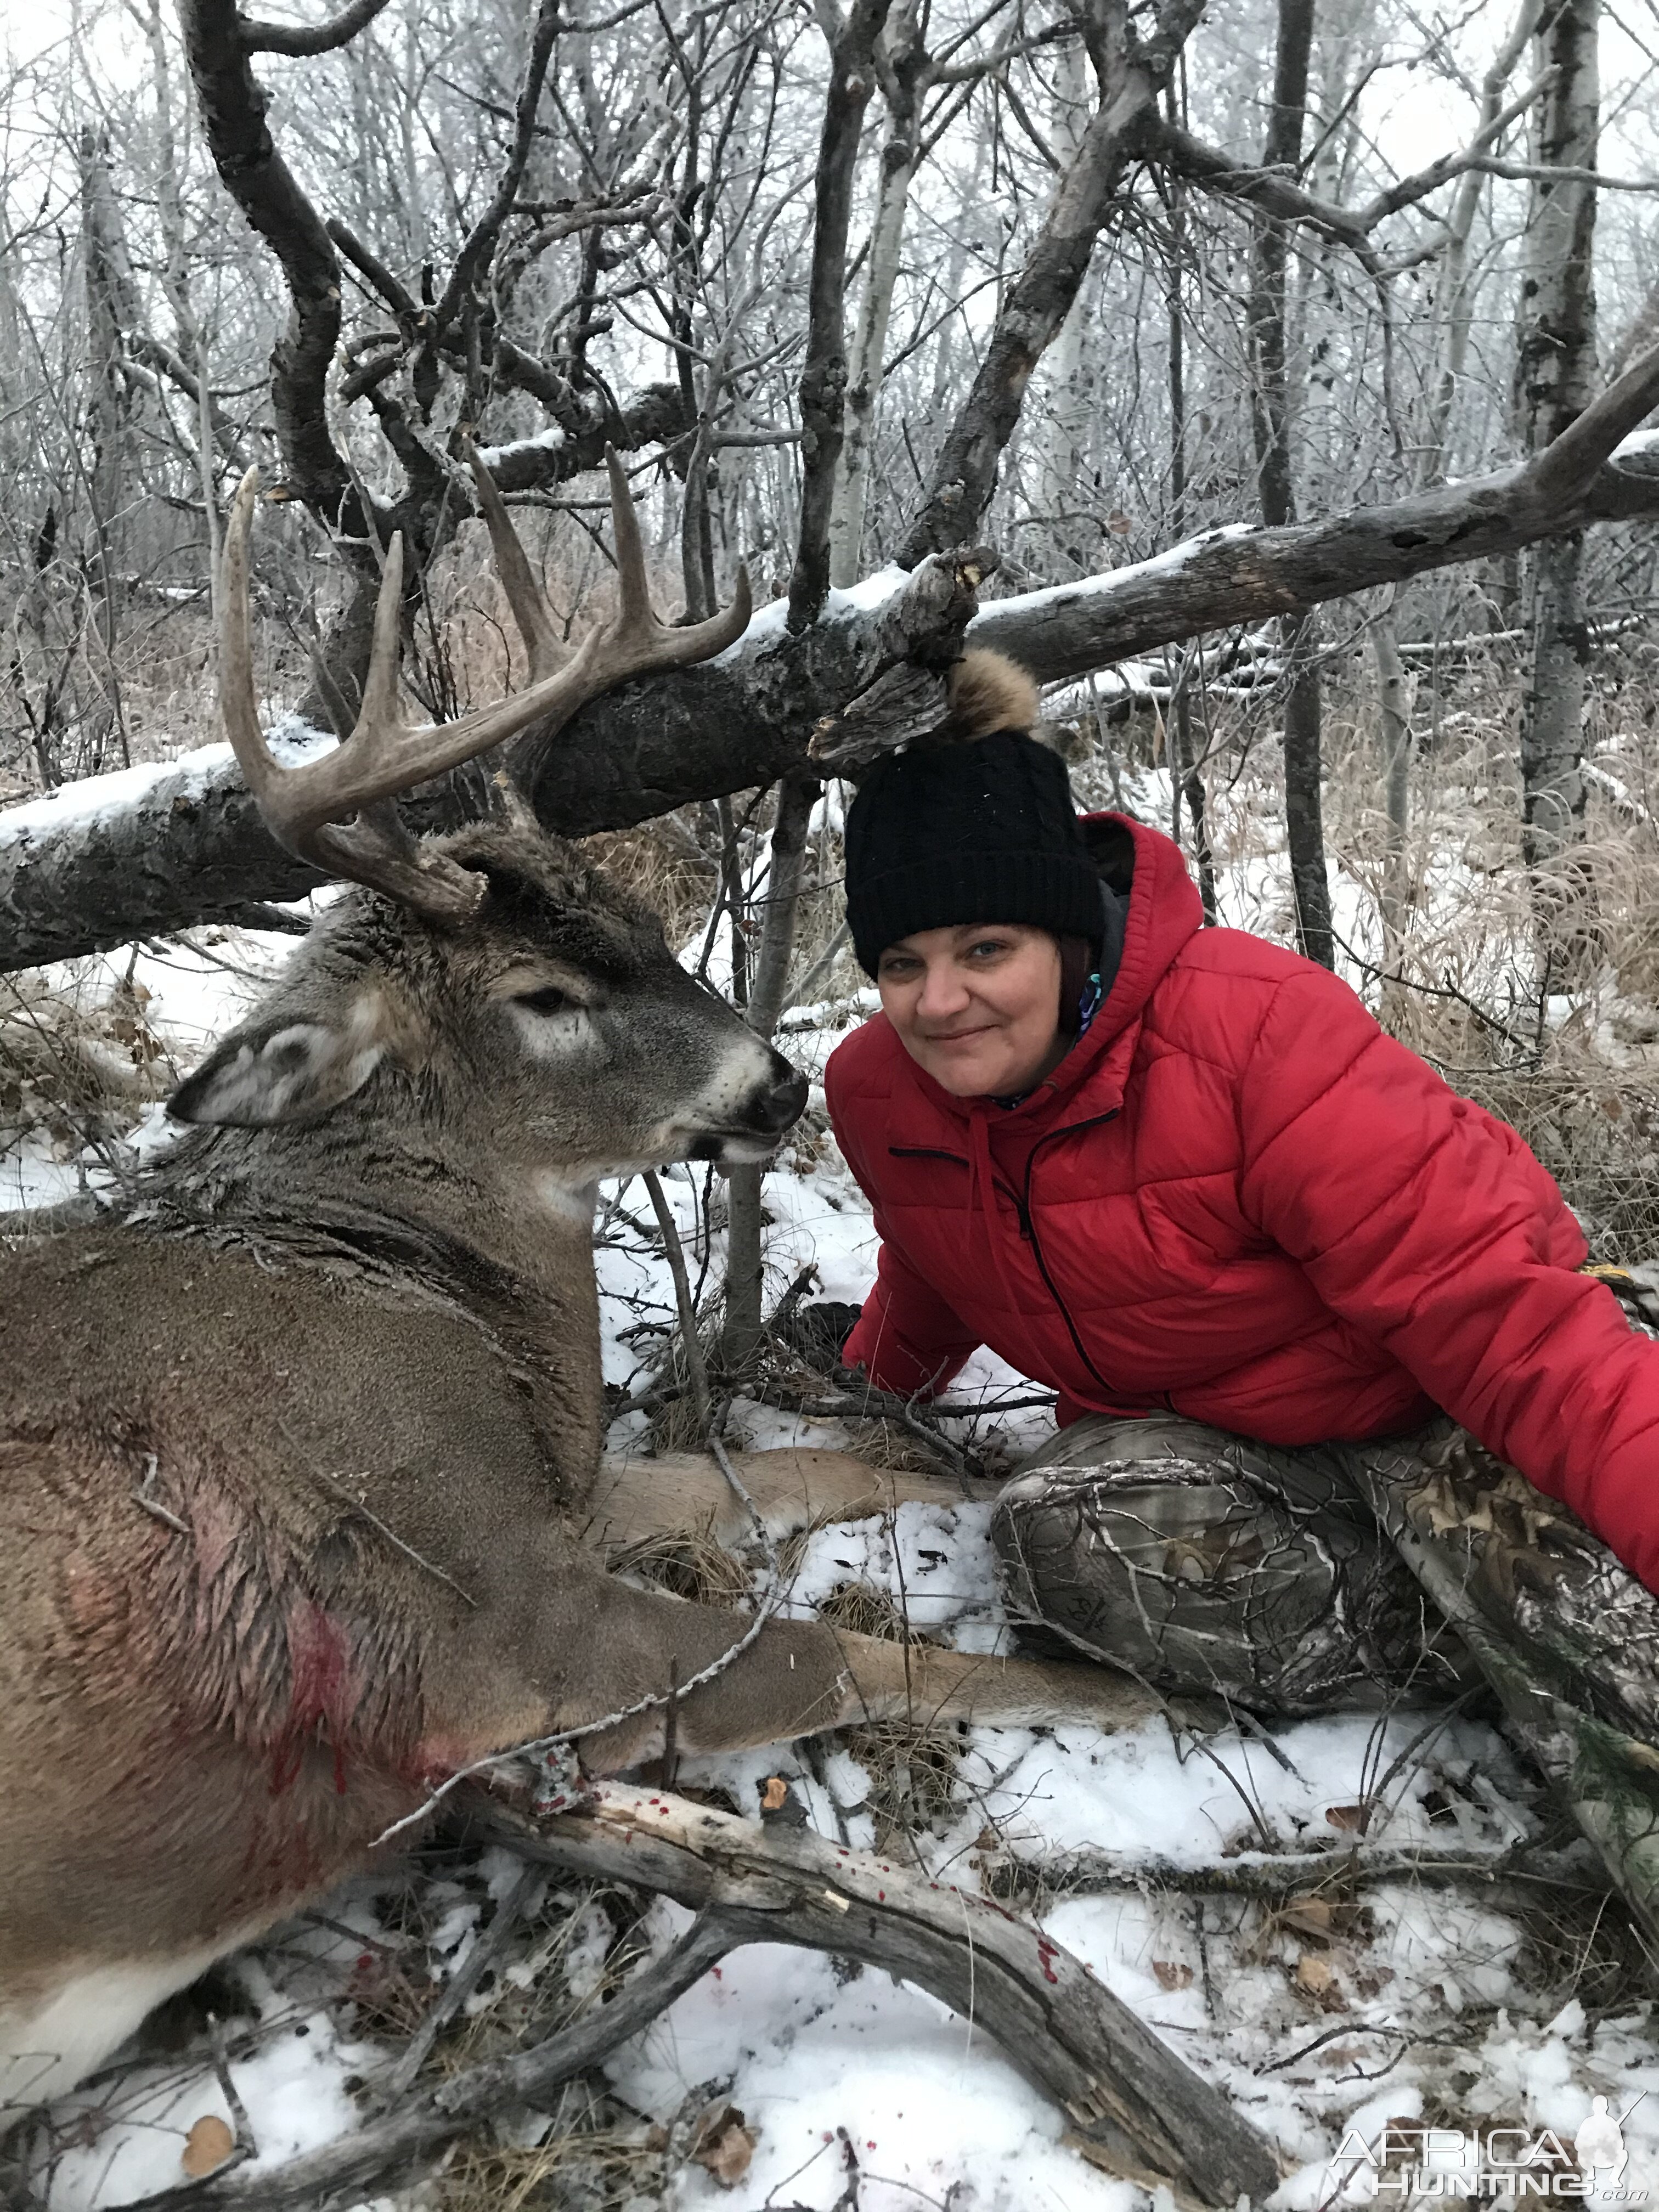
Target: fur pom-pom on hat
[[974, 823], [986, 691]]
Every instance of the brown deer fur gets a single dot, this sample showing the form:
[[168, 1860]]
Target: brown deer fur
[[296, 1452]]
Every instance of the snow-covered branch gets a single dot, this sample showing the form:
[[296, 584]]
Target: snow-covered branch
[[153, 851]]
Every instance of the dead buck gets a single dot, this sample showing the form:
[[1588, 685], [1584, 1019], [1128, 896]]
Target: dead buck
[[297, 1454]]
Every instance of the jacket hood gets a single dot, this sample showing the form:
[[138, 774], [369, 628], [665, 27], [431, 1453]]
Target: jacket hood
[[1165, 912]]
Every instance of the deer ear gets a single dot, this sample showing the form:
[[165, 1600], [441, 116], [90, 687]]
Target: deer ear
[[280, 1071]]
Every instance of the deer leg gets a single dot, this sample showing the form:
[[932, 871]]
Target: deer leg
[[608, 1645], [685, 1494]]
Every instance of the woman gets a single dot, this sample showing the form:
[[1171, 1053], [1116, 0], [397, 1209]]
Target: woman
[[1181, 1176]]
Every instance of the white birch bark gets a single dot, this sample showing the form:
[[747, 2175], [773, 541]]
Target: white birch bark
[[1062, 429], [902, 66], [1455, 289], [1393, 705], [1555, 372]]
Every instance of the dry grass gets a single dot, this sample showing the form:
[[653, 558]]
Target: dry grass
[[662, 866], [75, 1067], [911, 1769], [595, 2155], [595, 2159], [688, 1566]]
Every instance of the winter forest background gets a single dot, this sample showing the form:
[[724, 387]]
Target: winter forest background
[[1271, 383]]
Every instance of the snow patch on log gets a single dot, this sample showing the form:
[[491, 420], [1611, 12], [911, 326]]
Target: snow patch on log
[[97, 798], [186, 779], [769, 626], [1113, 580], [551, 440]]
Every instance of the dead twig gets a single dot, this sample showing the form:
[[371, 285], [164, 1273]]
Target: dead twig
[[483, 1954], [403, 2140], [1088, 1872]]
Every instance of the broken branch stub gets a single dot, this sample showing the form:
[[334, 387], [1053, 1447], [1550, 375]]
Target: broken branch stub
[[907, 698]]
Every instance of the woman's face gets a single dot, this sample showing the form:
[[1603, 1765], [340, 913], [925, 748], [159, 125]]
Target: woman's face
[[977, 1006]]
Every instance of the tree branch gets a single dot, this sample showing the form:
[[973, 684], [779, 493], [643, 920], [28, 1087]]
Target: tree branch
[[964, 474], [475, 255], [1088, 1872], [294, 39], [655, 416], [156, 355], [823, 372], [370, 265], [406, 2137], [255, 174], [1276, 192], [1136, 2107]]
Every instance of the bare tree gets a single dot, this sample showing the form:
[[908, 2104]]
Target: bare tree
[[1555, 372]]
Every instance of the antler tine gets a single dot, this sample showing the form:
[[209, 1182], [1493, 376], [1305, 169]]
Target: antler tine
[[636, 612], [299, 804], [637, 624], [337, 809], [378, 715], [238, 706], [547, 652], [634, 642]]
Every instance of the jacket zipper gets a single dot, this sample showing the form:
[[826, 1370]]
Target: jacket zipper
[[1022, 1205]]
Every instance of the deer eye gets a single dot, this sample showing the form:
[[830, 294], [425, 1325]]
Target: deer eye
[[549, 1000]]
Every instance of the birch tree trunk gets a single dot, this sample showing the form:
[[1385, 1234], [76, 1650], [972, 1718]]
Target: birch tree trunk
[[109, 311], [946, 364], [1394, 720], [1186, 776], [1555, 369], [1063, 431], [175, 282], [1273, 412], [900, 65], [1456, 289]]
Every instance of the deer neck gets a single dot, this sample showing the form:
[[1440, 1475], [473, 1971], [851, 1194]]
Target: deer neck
[[528, 1226], [514, 1247]]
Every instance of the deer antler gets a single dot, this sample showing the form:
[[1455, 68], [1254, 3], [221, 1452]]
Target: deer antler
[[339, 812]]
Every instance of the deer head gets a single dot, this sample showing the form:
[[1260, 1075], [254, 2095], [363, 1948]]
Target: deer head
[[486, 998]]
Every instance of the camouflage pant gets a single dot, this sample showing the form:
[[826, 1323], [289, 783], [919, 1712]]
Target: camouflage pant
[[1371, 1575], [1359, 1576], [1204, 1562]]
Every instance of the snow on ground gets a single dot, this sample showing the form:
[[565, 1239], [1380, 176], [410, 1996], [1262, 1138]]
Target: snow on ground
[[1409, 2004]]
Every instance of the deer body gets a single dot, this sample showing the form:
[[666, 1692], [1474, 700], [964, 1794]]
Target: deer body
[[297, 1449]]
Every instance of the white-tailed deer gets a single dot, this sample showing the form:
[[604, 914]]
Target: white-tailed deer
[[298, 1449]]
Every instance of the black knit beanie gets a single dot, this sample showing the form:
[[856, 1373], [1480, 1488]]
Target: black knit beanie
[[974, 829]]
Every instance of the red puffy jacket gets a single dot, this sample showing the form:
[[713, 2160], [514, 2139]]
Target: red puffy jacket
[[1237, 1199]]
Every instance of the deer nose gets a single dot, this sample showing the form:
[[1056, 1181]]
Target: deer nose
[[781, 1103]]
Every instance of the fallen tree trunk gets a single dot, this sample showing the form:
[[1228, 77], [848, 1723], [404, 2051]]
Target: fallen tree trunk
[[152, 851], [149, 851]]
